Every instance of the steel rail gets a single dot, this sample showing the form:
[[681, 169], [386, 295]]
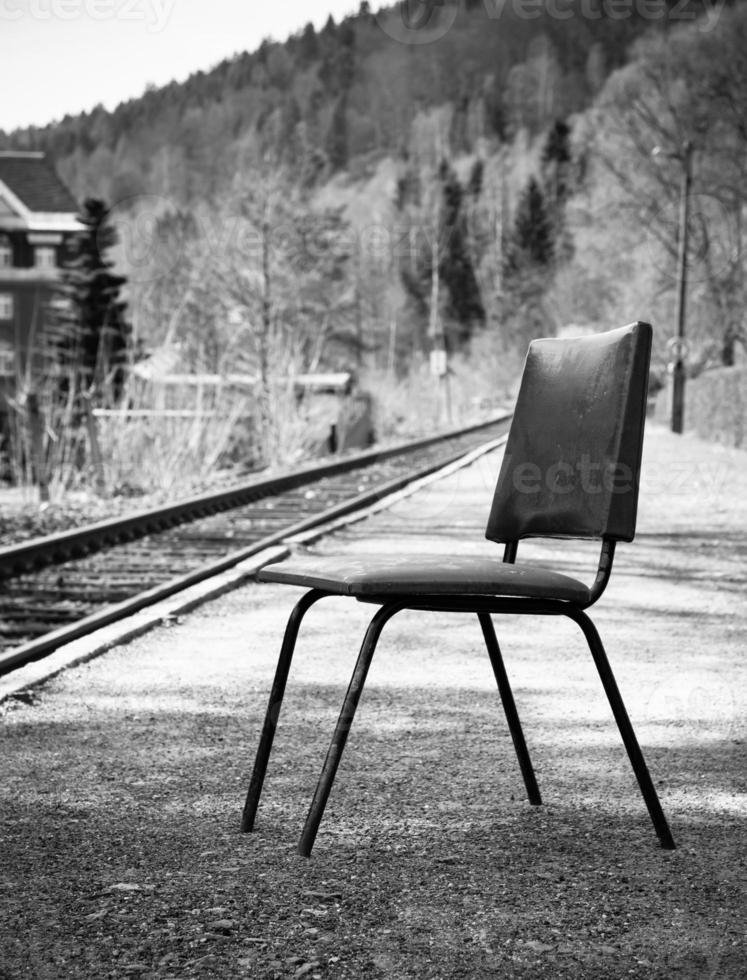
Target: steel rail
[[49, 642], [27, 556]]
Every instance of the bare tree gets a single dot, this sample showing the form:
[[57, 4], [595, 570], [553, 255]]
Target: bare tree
[[685, 90]]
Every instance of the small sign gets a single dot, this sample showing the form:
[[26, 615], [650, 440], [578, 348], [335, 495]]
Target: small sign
[[678, 348], [438, 362]]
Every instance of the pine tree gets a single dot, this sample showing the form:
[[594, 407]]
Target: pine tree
[[434, 205], [337, 69], [476, 178], [289, 145], [464, 305], [308, 47], [527, 265], [556, 180], [556, 158], [336, 143], [531, 243], [90, 335]]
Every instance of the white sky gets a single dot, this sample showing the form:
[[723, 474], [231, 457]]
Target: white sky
[[60, 56]]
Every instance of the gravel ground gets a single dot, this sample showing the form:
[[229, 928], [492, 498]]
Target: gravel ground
[[122, 780]]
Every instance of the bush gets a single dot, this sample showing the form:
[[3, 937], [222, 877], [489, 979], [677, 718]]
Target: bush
[[716, 406]]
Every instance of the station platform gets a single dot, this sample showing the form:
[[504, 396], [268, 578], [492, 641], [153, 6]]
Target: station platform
[[122, 779]]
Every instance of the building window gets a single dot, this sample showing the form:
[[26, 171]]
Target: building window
[[7, 359], [6, 306], [6, 253], [45, 257]]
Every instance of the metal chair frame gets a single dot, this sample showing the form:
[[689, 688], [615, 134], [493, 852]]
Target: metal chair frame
[[581, 400], [484, 608]]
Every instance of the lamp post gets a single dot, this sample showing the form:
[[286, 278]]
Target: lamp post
[[678, 344]]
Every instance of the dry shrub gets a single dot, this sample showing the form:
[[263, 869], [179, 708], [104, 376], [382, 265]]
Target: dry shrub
[[173, 439], [715, 405], [159, 439], [288, 429], [45, 446], [404, 406], [480, 383], [170, 441]]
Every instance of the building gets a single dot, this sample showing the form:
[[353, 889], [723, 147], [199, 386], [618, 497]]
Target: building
[[37, 218]]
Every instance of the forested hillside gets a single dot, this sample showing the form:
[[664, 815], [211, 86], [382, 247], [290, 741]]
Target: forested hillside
[[353, 197], [325, 100]]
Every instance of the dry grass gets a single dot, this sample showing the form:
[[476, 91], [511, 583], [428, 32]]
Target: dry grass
[[153, 443], [44, 447], [479, 381], [170, 439]]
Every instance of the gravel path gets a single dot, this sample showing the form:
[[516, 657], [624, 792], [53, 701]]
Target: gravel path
[[122, 780]]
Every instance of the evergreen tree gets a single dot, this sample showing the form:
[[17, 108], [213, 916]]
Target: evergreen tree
[[434, 205], [289, 145], [346, 56], [337, 136], [556, 157], [308, 48], [531, 243], [464, 305], [337, 69], [556, 179], [476, 178], [527, 265], [90, 335]]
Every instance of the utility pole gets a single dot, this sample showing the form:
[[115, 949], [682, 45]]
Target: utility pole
[[678, 376], [677, 344], [438, 356]]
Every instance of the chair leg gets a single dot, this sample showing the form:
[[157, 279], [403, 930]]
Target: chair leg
[[509, 706], [625, 727], [273, 707], [344, 722]]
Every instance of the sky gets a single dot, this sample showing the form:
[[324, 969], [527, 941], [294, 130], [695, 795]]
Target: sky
[[65, 56]]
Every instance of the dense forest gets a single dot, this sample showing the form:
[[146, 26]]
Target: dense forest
[[357, 195], [327, 100]]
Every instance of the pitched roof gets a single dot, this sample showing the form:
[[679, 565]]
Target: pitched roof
[[33, 179]]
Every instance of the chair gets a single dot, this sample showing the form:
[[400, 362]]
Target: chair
[[570, 470]]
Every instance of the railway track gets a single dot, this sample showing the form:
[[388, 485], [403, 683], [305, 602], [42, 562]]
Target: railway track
[[58, 588]]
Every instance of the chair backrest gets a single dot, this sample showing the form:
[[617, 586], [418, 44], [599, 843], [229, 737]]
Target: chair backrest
[[573, 456]]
